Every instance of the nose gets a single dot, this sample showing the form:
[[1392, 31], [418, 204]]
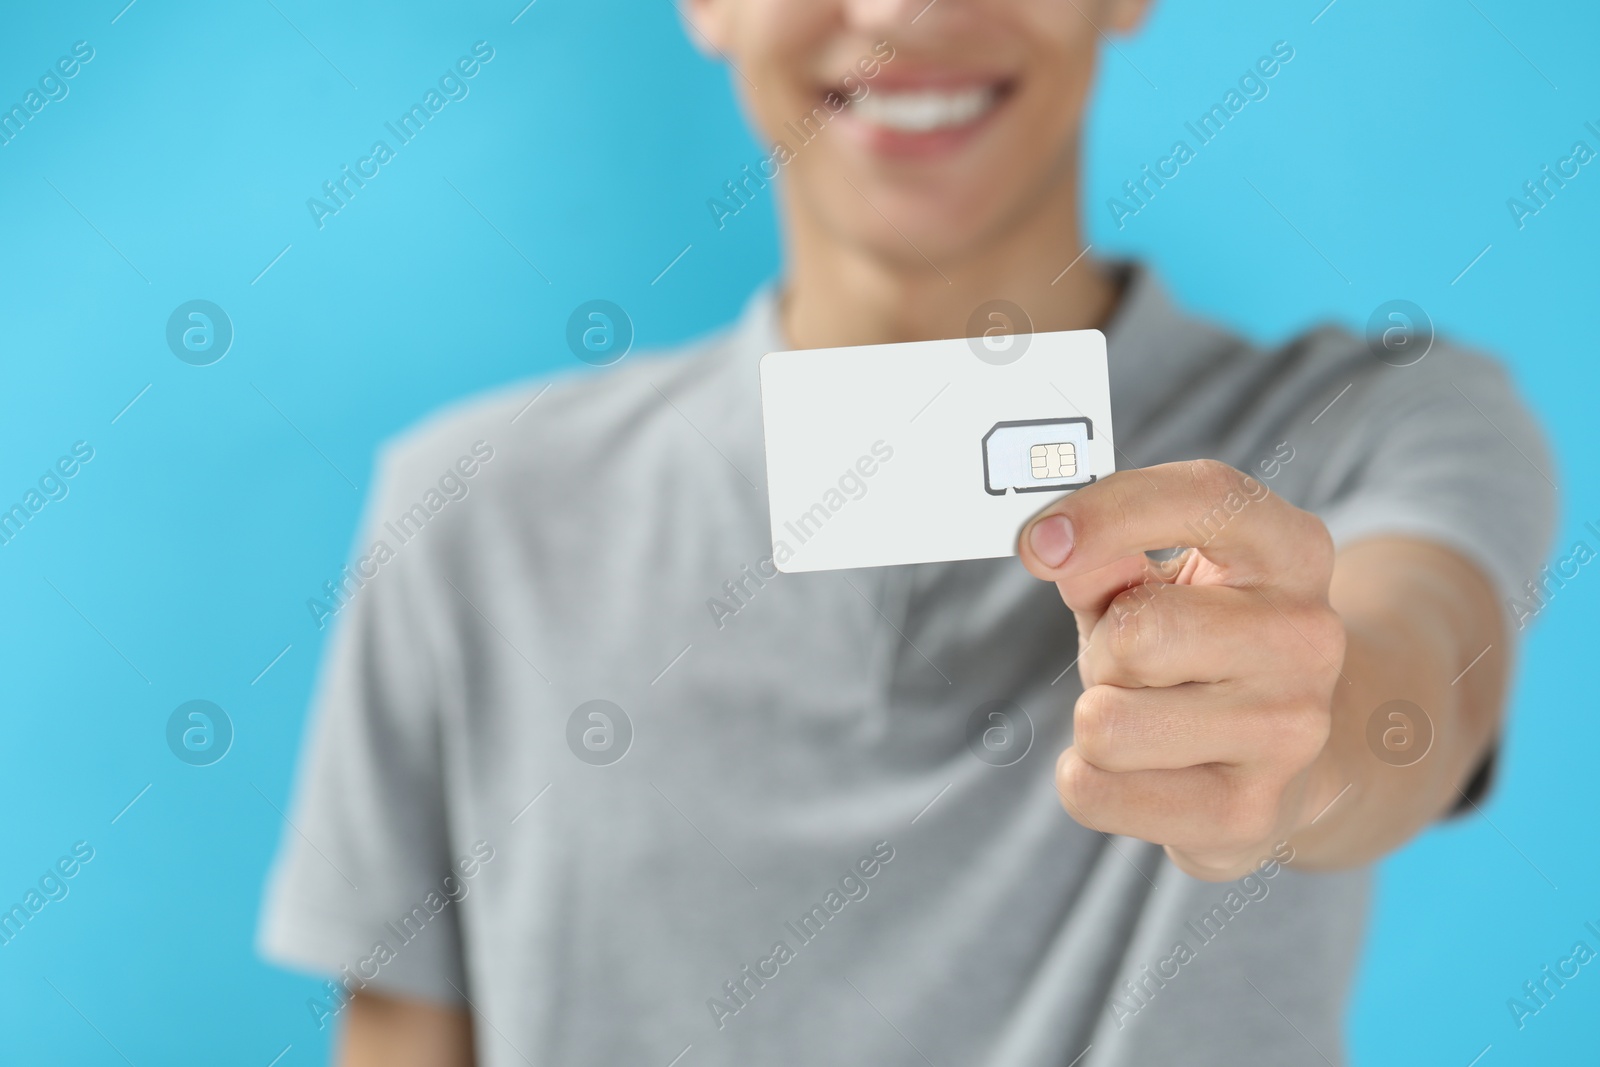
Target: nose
[[884, 16]]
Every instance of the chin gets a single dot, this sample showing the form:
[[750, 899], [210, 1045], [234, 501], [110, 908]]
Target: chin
[[943, 217]]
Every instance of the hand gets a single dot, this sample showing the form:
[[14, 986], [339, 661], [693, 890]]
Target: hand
[[1208, 680]]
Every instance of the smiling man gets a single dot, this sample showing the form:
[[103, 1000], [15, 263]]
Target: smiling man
[[764, 836]]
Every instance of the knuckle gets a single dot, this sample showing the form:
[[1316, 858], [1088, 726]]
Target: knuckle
[[1324, 631], [1073, 780], [1118, 512], [1249, 815], [1313, 729], [1330, 635], [1316, 542], [1301, 732], [1214, 479], [1309, 635], [1094, 728], [1136, 626]]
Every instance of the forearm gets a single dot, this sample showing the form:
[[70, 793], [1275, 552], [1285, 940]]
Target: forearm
[[385, 1031], [1418, 621]]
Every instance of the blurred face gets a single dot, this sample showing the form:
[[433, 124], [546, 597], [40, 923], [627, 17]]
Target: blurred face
[[950, 122]]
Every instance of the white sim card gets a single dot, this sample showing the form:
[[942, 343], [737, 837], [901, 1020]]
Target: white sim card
[[928, 451]]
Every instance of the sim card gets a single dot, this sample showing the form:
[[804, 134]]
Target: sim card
[[1036, 455], [928, 451]]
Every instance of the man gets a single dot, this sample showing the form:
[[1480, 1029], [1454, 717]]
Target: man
[[804, 856]]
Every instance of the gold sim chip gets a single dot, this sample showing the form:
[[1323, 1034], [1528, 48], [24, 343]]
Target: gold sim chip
[[1058, 459]]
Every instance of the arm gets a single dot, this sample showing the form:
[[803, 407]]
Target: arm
[[1416, 615], [383, 1031], [1228, 694]]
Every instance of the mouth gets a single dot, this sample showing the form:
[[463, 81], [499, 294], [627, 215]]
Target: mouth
[[927, 110], [926, 116]]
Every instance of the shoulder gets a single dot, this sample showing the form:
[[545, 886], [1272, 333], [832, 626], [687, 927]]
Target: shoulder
[[1397, 373], [1189, 384], [1331, 378]]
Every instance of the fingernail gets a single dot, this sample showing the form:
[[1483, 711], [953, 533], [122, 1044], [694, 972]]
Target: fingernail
[[1051, 540]]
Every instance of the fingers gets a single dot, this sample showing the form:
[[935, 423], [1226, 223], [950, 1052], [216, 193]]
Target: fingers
[[1089, 594], [1165, 634], [1195, 725], [1235, 521], [1211, 771], [1210, 677], [1213, 813]]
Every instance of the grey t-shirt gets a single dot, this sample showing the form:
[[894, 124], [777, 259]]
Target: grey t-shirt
[[819, 844]]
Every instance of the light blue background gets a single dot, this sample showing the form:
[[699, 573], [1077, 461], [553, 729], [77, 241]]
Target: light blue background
[[191, 542]]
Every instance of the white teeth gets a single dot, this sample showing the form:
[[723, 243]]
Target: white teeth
[[927, 109]]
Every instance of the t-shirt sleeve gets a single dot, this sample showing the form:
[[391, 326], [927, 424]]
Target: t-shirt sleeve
[[362, 878], [1453, 456], [1446, 451]]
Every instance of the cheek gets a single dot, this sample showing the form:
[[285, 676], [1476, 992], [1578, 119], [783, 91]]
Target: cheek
[[1058, 81], [773, 46]]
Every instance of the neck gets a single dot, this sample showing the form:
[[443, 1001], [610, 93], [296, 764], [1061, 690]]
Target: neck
[[841, 293]]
